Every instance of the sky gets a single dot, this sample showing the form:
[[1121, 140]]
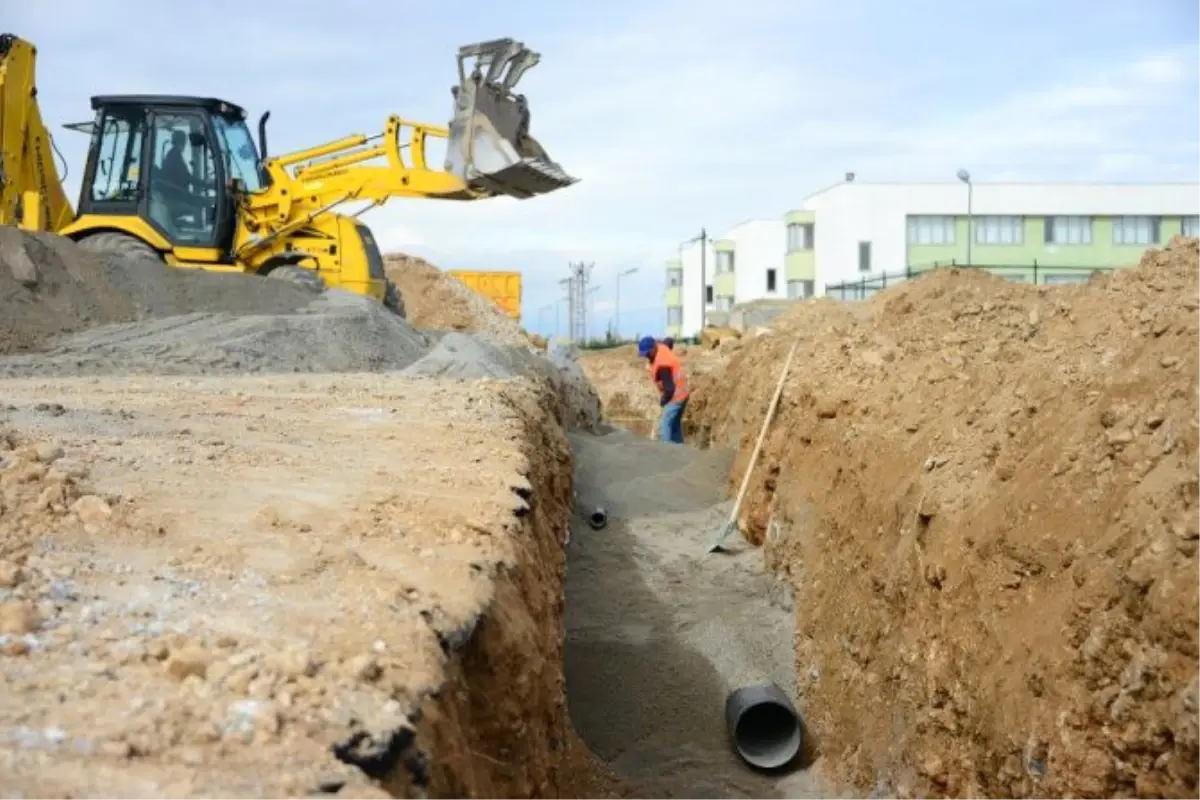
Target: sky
[[674, 114]]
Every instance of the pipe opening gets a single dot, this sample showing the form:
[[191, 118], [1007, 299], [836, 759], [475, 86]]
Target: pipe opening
[[765, 728], [598, 519]]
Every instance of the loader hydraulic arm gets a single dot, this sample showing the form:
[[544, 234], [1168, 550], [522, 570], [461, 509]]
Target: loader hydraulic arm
[[489, 153], [31, 192], [358, 168]]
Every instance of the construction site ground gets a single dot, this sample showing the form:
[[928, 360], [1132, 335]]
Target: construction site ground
[[984, 495], [256, 541]]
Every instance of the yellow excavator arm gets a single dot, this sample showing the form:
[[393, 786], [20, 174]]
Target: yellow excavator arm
[[489, 153], [31, 192]]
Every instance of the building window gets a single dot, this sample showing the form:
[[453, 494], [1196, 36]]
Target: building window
[[1068, 230], [999, 230], [929, 229], [799, 236], [864, 256], [708, 294], [1135, 230], [724, 303], [674, 315], [771, 280], [799, 289], [724, 261], [1190, 226], [675, 277]]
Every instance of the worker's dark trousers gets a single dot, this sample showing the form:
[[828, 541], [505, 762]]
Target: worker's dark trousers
[[670, 426]]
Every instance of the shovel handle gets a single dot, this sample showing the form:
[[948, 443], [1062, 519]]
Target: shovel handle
[[762, 435]]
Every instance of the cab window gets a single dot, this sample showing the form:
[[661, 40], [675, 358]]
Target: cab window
[[183, 190], [241, 156], [115, 179]]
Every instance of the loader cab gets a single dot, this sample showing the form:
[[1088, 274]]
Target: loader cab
[[176, 163]]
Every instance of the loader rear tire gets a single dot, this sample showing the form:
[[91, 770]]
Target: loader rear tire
[[120, 245], [300, 276], [392, 299]]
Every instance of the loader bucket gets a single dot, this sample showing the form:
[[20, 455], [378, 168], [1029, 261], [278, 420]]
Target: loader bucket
[[490, 147]]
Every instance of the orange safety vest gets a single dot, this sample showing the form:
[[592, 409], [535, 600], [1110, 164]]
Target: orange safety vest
[[666, 357]]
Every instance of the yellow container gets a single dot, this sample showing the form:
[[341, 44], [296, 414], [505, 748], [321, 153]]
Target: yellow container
[[502, 288]]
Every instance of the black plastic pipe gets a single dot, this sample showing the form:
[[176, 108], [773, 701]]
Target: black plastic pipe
[[598, 518], [764, 725]]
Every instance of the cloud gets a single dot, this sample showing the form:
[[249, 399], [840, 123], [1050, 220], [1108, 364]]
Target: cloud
[[676, 114]]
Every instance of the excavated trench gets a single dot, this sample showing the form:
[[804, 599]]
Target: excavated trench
[[659, 631]]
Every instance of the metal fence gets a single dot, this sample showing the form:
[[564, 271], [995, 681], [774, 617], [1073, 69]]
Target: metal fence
[[1036, 273]]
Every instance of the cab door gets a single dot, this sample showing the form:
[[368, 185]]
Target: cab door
[[186, 199]]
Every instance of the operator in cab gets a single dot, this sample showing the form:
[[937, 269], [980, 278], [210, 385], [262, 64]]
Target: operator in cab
[[666, 372]]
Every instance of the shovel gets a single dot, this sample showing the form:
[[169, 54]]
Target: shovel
[[732, 525]]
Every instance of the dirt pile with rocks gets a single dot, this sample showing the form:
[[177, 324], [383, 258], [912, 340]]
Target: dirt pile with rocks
[[226, 586], [985, 495], [472, 356], [436, 301], [64, 311]]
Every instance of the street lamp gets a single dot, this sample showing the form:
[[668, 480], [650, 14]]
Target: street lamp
[[965, 177], [617, 306]]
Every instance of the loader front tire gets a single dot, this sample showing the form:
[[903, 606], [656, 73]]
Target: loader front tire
[[300, 276], [119, 245], [393, 301]]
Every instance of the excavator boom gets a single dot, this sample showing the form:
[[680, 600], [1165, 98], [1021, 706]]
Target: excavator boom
[[31, 192], [489, 145]]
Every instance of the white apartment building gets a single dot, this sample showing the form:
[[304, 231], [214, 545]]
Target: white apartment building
[[684, 296], [1041, 232], [749, 263], [745, 264], [857, 232]]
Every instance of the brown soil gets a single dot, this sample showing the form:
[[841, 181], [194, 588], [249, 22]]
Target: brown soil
[[436, 301], [238, 586], [985, 495], [204, 576]]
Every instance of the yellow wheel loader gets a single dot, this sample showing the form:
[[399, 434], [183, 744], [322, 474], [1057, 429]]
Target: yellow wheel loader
[[180, 179]]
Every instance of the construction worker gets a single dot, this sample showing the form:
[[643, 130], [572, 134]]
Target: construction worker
[[669, 342], [666, 372]]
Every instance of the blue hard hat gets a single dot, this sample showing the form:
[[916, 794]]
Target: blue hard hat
[[645, 345]]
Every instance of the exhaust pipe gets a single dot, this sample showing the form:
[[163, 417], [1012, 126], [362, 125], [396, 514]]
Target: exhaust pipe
[[598, 518], [764, 726]]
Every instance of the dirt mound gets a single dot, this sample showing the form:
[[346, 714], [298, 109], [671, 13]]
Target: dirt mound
[[468, 356], [50, 286], [335, 332], [309, 585], [436, 301], [985, 494], [64, 311]]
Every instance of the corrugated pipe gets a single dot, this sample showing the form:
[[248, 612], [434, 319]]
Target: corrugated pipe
[[764, 726], [598, 518]]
